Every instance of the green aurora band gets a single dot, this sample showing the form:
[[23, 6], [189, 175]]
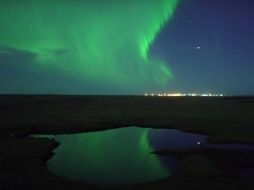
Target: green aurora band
[[95, 40]]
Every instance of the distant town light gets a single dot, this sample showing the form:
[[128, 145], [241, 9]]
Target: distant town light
[[182, 94]]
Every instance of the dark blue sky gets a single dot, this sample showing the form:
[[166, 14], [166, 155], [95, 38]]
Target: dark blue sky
[[208, 44]]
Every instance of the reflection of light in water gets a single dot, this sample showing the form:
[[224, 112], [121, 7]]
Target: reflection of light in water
[[122, 156], [173, 138], [118, 156]]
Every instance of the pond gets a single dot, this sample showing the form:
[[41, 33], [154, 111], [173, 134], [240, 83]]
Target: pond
[[122, 156], [118, 156]]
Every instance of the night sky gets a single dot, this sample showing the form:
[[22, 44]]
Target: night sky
[[127, 47]]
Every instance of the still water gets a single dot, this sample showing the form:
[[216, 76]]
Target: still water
[[118, 156]]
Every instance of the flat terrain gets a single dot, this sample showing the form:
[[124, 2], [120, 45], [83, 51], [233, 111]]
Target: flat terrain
[[23, 159]]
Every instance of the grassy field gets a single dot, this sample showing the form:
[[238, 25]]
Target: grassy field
[[223, 119]]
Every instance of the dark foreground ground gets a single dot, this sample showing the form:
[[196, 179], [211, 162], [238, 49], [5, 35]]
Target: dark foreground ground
[[23, 159]]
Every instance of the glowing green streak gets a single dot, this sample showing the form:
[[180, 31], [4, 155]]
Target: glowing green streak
[[148, 39], [144, 143], [104, 41]]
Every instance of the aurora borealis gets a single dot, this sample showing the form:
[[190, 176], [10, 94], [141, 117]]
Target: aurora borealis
[[98, 41], [126, 47]]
